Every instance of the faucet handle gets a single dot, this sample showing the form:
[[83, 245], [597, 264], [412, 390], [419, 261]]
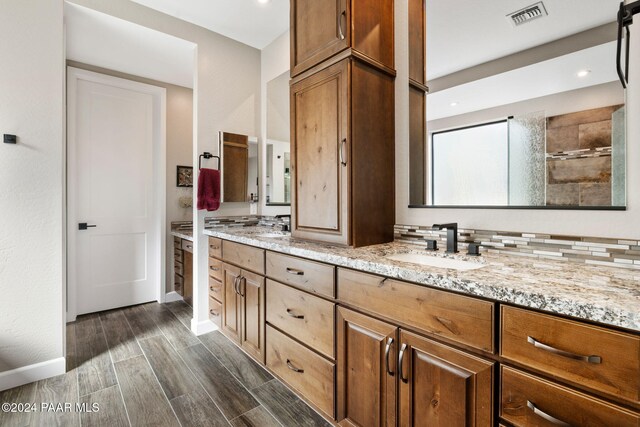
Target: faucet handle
[[474, 249], [432, 244]]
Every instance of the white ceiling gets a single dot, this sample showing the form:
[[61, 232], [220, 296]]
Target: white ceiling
[[465, 33], [544, 78], [246, 21], [104, 41]]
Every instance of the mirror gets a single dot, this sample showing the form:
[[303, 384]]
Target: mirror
[[278, 147], [239, 167], [516, 123]]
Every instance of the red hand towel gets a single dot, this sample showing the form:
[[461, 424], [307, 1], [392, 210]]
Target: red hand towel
[[209, 189]]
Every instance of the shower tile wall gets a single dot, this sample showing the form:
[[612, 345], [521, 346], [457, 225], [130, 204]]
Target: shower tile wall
[[579, 158]]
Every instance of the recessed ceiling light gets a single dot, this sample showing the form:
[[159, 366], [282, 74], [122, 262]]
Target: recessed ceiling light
[[263, 1], [584, 73], [453, 104]]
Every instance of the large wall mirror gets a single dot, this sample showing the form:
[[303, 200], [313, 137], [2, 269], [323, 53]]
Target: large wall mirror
[[522, 114], [239, 167], [278, 146]]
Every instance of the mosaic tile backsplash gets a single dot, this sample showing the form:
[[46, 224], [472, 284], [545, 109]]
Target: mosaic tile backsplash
[[590, 250]]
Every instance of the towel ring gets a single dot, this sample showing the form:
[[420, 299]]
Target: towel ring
[[207, 155]]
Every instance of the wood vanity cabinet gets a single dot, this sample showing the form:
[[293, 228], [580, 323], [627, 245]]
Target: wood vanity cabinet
[[215, 281], [323, 28], [183, 268], [243, 297], [343, 155], [382, 367]]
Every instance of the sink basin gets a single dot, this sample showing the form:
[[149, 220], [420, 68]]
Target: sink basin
[[272, 235], [433, 261]]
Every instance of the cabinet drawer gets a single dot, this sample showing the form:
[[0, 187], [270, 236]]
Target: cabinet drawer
[[311, 375], [530, 401], [187, 245], [215, 288], [215, 311], [215, 247], [177, 268], [215, 268], [561, 347], [244, 256], [303, 316], [177, 255], [177, 241], [308, 275], [178, 251], [177, 284], [460, 318]]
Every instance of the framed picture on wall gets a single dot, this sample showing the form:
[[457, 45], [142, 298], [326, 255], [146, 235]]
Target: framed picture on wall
[[184, 176]]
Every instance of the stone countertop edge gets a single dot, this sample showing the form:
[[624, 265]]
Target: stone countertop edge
[[606, 295], [183, 234]]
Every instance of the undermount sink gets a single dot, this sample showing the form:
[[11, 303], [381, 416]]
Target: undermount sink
[[433, 261], [272, 235]]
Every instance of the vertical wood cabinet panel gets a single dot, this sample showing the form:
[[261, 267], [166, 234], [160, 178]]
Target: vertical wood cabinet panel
[[417, 41], [253, 308], [367, 382], [343, 155], [417, 146], [442, 386], [323, 28], [319, 126], [231, 302]]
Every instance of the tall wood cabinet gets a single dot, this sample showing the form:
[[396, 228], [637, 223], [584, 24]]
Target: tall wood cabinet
[[323, 28], [342, 121]]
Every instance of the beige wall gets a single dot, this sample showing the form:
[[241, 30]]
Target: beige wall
[[31, 190], [179, 149]]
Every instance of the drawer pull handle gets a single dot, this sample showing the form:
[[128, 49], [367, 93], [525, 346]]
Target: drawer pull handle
[[542, 414], [542, 346], [340, 32], [293, 368], [295, 271], [215, 248], [214, 268], [400, 364], [387, 350], [189, 247], [235, 285], [213, 313], [295, 316]]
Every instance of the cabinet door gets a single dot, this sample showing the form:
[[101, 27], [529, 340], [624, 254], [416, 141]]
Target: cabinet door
[[319, 30], [231, 302], [320, 155], [252, 300], [442, 386], [366, 370], [187, 284]]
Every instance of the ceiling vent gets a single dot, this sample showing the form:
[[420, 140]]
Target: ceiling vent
[[527, 14]]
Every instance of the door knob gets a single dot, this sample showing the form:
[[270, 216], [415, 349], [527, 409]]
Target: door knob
[[84, 226]]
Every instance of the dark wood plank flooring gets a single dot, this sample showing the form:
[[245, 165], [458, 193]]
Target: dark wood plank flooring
[[142, 366]]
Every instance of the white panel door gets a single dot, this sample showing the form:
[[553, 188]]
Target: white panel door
[[116, 259]]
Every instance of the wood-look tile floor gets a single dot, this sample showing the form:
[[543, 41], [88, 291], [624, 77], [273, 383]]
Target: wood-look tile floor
[[142, 366]]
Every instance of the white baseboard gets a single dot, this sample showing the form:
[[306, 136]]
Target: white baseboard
[[172, 296], [28, 374], [204, 327]]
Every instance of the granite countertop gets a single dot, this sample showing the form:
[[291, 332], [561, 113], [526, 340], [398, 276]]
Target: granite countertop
[[183, 234], [607, 295]]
